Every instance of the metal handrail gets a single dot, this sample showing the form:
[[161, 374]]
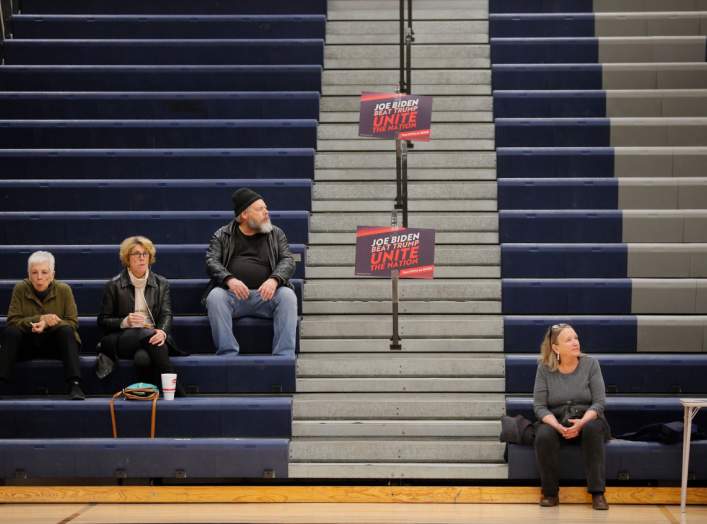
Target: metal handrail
[[2, 23]]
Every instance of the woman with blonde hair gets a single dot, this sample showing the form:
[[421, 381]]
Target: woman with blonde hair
[[136, 313], [569, 399]]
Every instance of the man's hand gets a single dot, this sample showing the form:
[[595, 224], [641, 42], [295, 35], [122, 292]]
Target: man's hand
[[238, 288], [267, 290], [39, 327], [50, 319], [159, 338]]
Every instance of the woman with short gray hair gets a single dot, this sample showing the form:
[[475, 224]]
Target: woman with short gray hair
[[42, 322]]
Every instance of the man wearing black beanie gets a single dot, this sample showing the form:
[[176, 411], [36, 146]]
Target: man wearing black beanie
[[250, 265]]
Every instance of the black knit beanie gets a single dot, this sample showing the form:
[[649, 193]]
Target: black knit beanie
[[242, 198]]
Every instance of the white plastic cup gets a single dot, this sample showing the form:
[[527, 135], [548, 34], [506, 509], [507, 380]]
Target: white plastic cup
[[169, 385]]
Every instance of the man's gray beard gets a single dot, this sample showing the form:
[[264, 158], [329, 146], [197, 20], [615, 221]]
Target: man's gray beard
[[265, 227]]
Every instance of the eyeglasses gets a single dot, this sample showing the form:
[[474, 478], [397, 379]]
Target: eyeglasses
[[140, 255]]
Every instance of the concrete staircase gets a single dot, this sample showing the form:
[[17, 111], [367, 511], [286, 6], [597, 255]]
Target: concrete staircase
[[432, 410]]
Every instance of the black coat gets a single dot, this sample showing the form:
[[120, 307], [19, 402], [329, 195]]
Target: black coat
[[222, 248], [119, 301]]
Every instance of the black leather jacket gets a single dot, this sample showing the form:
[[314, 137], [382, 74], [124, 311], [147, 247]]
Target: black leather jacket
[[221, 250], [119, 301]]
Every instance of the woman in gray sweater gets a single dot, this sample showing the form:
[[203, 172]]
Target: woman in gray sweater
[[569, 398]]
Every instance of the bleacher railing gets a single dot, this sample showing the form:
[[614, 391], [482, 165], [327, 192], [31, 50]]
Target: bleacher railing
[[407, 37]]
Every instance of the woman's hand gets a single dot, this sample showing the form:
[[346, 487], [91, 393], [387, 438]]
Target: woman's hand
[[574, 430], [50, 319], [135, 320], [159, 338], [39, 327]]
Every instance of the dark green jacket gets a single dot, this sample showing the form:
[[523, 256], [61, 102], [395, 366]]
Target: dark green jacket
[[25, 307]]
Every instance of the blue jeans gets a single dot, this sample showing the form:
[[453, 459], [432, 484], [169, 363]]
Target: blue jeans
[[223, 306]]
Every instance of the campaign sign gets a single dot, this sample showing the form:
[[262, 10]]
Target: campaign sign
[[379, 250], [395, 115]]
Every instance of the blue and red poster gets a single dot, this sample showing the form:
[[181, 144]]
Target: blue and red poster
[[379, 250], [394, 115]]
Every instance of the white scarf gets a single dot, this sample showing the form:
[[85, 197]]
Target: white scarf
[[140, 303]]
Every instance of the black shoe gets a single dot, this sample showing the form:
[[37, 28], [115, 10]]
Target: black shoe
[[548, 502], [75, 392], [599, 501]]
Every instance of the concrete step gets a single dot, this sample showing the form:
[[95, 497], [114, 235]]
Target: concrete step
[[441, 190], [651, 49], [392, 450], [426, 32], [428, 345], [441, 238], [452, 104], [648, 132], [363, 144], [369, 206], [410, 289], [666, 75], [656, 102], [444, 255], [398, 406], [374, 326], [658, 162], [364, 470], [439, 82], [438, 117], [400, 365], [372, 174], [608, 6], [416, 160], [422, 10], [440, 132], [442, 222], [410, 307], [328, 272], [667, 260], [428, 56], [663, 193], [394, 384], [396, 428], [646, 24]]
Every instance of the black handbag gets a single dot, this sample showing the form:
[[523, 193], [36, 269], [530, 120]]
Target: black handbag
[[570, 410]]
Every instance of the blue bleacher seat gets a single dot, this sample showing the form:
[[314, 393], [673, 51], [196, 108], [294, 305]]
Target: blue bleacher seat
[[624, 374], [155, 195], [574, 50], [171, 227], [168, 26], [545, 76], [193, 334], [549, 104], [208, 374], [541, 25], [553, 193], [538, 6], [625, 414], [301, 133], [101, 261], [624, 461], [175, 6], [186, 294], [58, 164], [144, 458], [560, 132], [555, 162], [199, 105], [611, 334], [564, 261], [164, 52], [161, 78], [566, 297], [190, 417], [561, 226]]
